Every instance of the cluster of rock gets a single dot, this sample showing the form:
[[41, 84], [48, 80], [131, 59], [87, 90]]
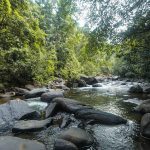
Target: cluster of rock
[[139, 89], [17, 115], [144, 109]]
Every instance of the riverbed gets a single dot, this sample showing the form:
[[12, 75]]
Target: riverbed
[[112, 97]]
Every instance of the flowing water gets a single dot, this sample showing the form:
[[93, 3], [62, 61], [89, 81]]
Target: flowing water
[[111, 97]]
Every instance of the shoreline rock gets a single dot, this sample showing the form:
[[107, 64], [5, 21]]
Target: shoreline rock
[[15, 143]]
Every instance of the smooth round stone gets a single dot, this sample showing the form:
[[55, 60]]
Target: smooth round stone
[[77, 136], [61, 144], [15, 143]]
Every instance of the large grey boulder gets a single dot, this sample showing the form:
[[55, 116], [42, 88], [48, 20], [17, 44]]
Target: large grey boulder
[[50, 110], [31, 125], [77, 136], [49, 96], [16, 110], [143, 107], [89, 80], [136, 89], [145, 125], [36, 92], [69, 105], [96, 116], [20, 91], [61, 144], [15, 143]]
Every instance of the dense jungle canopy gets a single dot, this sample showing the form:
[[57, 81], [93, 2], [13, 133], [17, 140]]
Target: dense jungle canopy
[[44, 39]]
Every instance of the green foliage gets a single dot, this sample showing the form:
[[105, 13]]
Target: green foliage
[[41, 40]]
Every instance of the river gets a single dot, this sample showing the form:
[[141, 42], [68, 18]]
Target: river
[[111, 97]]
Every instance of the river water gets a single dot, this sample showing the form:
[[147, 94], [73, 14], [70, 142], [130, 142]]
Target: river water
[[111, 97]]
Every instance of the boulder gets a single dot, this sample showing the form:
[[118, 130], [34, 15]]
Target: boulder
[[50, 110], [61, 144], [89, 80], [7, 95], [96, 116], [49, 96], [15, 143], [20, 91], [31, 125], [36, 92], [97, 85], [147, 90], [29, 87], [145, 125], [69, 105], [63, 87], [77, 136], [76, 83], [33, 99], [65, 121], [143, 107], [16, 110], [136, 89]]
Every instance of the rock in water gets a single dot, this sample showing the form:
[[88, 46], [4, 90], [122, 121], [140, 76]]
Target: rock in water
[[61, 144], [97, 116], [145, 125], [69, 105], [31, 125], [97, 85], [36, 93], [15, 143], [89, 80], [136, 89], [143, 107], [50, 110], [49, 96], [77, 136], [16, 110]]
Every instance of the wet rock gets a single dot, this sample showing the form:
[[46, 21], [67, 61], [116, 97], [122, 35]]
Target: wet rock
[[63, 87], [76, 83], [49, 96], [100, 117], [50, 110], [97, 85], [16, 110], [61, 144], [15, 143], [69, 105], [144, 107], [20, 91], [57, 120], [136, 89], [79, 83], [115, 78], [147, 90], [77, 136], [123, 83], [7, 95], [36, 93], [89, 80], [31, 125], [65, 121], [145, 125], [29, 87], [33, 99]]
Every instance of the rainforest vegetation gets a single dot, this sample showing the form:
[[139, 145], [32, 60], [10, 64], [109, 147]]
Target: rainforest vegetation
[[44, 39]]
